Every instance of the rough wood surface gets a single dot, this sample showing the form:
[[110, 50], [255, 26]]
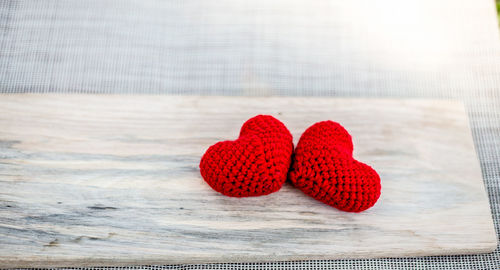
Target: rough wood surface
[[114, 180]]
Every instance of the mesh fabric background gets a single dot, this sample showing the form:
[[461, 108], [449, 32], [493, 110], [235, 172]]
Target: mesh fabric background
[[386, 48]]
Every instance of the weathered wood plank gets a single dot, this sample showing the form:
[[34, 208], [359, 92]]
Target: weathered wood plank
[[114, 180]]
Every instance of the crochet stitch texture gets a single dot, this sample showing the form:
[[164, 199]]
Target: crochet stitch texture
[[323, 168], [255, 164]]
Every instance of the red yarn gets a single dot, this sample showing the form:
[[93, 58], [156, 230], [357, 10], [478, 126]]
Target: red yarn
[[323, 168], [255, 164]]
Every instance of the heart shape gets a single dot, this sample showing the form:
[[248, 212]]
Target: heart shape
[[324, 168], [255, 164]]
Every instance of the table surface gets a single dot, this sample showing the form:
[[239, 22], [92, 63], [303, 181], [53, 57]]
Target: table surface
[[113, 180], [424, 49]]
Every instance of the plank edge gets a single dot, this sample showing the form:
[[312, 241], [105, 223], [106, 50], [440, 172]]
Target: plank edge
[[93, 262]]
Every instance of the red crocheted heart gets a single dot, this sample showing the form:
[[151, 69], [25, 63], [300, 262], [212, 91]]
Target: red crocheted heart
[[255, 164], [323, 168]]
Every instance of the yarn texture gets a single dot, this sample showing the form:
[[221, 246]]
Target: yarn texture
[[255, 164], [324, 168]]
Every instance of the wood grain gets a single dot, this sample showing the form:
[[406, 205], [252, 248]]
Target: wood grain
[[114, 180]]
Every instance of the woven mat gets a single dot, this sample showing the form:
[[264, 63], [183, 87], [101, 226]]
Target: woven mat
[[388, 48]]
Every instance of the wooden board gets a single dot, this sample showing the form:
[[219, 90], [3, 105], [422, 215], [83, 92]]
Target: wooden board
[[114, 180]]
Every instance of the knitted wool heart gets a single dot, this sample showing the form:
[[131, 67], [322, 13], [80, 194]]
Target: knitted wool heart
[[255, 164], [323, 168]]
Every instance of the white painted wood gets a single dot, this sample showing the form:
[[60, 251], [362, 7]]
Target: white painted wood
[[114, 180]]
